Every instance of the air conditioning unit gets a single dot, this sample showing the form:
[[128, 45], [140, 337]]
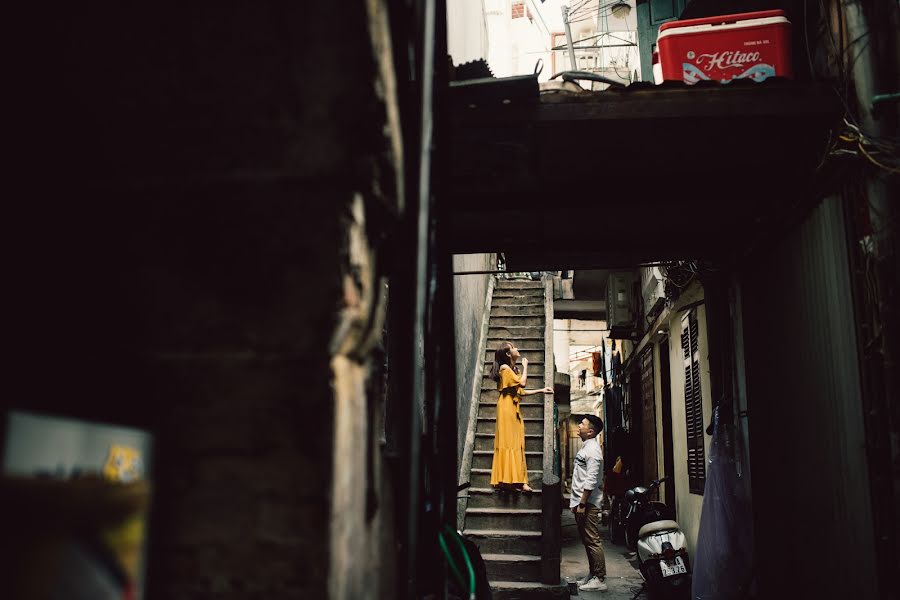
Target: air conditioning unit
[[621, 316], [653, 291]]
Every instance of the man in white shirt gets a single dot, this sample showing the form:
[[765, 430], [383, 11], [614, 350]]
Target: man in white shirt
[[587, 486]]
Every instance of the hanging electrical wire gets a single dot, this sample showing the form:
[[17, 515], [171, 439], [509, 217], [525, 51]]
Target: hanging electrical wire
[[851, 141], [591, 13], [578, 6], [841, 57]]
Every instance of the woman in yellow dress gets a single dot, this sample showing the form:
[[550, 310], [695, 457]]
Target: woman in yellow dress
[[509, 470]]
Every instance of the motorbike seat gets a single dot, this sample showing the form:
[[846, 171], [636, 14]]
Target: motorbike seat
[[657, 527]]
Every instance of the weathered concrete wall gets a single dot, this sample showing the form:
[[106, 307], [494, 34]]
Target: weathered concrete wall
[[211, 179], [468, 312]]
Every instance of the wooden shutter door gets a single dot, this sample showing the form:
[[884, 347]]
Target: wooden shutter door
[[693, 403], [650, 15]]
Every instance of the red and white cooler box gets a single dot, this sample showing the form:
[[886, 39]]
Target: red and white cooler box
[[752, 46]]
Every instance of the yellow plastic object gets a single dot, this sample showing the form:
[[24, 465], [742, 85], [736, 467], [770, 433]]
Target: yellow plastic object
[[123, 464]]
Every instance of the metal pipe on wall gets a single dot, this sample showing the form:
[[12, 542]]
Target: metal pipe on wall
[[873, 71]]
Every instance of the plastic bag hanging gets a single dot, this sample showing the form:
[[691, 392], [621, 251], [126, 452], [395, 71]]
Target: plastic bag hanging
[[723, 565]]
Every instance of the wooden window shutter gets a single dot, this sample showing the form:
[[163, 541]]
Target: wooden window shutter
[[693, 403]]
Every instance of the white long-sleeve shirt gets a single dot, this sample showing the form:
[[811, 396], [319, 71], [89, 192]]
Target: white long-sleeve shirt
[[588, 473]]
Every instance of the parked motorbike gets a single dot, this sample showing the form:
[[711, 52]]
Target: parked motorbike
[[615, 484], [650, 528]]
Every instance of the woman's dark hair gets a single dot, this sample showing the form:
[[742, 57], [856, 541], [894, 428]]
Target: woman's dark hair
[[500, 359]]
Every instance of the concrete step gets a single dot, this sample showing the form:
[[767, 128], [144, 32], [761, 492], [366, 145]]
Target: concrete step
[[535, 380], [512, 567], [499, 541], [483, 459], [528, 409], [481, 478], [491, 498], [520, 321], [532, 345], [531, 309], [518, 310], [516, 334], [534, 442], [518, 284], [528, 519], [489, 425], [535, 365], [491, 395], [534, 355], [515, 299], [532, 292], [526, 590]]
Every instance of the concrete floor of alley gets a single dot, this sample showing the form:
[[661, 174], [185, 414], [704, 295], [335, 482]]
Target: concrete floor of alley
[[622, 575]]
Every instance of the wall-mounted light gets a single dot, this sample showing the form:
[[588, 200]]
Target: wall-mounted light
[[620, 10]]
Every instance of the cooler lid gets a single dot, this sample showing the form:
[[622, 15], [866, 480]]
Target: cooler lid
[[723, 19]]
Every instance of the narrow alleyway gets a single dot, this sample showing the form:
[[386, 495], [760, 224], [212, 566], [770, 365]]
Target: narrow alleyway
[[623, 578]]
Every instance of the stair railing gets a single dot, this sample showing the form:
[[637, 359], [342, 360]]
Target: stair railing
[[551, 490]]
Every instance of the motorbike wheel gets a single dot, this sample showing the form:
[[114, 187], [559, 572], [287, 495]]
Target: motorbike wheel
[[631, 537], [629, 543]]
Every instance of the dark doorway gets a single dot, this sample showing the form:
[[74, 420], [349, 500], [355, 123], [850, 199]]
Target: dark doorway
[[666, 403], [648, 416], [636, 427]]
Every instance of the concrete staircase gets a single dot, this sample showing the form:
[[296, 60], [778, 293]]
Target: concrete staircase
[[507, 527]]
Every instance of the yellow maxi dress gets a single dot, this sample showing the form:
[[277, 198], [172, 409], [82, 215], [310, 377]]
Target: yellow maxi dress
[[509, 437]]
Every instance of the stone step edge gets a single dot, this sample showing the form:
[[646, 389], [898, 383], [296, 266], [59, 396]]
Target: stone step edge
[[492, 403], [503, 511], [502, 533], [532, 435], [490, 491], [479, 471], [530, 362], [523, 304], [521, 349], [511, 557], [517, 337], [488, 452], [516, 317], [531, 419], [525, 585]]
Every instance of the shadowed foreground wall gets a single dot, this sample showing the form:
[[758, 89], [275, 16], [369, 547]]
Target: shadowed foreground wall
[[194, 241], [798, 292]]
